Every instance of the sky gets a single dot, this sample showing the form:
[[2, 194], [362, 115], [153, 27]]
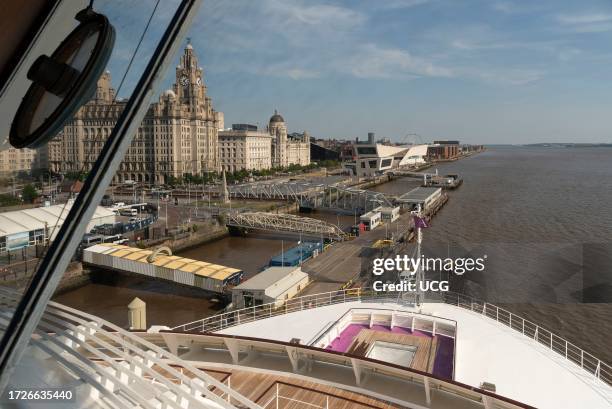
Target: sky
[[480, 71]]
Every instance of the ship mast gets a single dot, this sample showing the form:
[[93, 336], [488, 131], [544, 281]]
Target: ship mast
[[419, 270], [415, 277]]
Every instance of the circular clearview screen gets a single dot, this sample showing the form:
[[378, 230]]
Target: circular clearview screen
[[62, 83], [48, 101]]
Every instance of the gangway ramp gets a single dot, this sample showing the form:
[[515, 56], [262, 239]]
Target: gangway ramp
[[287, 223]]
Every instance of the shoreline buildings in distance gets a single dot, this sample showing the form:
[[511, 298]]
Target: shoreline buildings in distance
[[181, 134]]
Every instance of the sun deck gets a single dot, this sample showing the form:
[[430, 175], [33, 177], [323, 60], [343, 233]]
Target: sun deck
[[432, 353], [485, 351]]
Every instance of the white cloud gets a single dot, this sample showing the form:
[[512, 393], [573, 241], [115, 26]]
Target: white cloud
[[513, 77], [304, 40], [399, 4], [289, 13], [467, 45], [584, 18], [284, 70], [587, 23], [505, 6], [372, 61], [512, 7], [568, 54]]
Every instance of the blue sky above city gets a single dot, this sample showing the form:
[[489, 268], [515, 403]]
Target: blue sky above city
[[478, 71]]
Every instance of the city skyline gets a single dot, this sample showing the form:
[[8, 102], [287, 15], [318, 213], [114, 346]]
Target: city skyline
[[481, 72]]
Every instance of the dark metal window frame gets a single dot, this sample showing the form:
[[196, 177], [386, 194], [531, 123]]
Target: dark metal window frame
[[32, 305]]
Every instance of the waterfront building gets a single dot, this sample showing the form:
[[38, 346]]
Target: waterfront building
[[245, 147], [273, 285], [14, 161], [420, 196], [178, 136], [371, 219], [320, 153], [443, 150], [30, 227], [287, 151], [372, 159]]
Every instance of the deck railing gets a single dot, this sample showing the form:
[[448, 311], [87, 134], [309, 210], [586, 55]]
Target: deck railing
[[383, 316], [275, 401], [385, 381], [543, 336]]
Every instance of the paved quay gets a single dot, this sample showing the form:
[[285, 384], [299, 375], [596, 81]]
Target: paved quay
[[341, 263]]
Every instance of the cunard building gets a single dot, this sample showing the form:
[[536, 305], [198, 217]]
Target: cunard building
[[178, 136]]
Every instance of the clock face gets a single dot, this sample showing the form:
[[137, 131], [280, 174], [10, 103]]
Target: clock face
[[184, 80], [199, 81]]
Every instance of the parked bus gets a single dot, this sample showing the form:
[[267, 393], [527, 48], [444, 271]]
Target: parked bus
[[91, 239]]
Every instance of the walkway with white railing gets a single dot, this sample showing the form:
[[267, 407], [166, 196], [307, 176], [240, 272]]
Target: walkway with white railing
[[559, 345], [322, 369], [114, 368]]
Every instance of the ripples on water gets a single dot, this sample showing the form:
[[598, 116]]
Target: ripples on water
[[543, 216]]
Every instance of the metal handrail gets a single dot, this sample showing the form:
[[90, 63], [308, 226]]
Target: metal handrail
[[387, 379], [276, 396], [87, 340], [543, 336]]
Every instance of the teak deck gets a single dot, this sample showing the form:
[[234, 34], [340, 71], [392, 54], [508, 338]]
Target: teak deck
[[294, 393], [261, 388], [423, 359]]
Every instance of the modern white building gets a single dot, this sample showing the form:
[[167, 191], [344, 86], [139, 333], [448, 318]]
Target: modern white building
[[371, 219], [245, 147], [273, 285], [415, 155], [389, 214], [374, 159], [29, 227]]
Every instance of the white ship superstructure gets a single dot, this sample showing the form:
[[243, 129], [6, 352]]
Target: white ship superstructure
[[350, 348]]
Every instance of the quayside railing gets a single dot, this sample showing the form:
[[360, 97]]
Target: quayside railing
[[543, 336]]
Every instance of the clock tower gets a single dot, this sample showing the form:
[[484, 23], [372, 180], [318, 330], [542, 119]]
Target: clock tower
[[189, 86]]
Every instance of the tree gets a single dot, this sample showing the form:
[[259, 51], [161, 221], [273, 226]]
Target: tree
[[81, 176], [29, 193], [9, 200]]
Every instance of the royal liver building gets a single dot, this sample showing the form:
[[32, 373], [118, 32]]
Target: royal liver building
[[178, 136]]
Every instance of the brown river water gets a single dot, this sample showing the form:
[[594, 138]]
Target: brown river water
[[542, 216]]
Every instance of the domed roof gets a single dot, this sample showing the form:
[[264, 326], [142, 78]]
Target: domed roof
[[276, 117], [169, 93]]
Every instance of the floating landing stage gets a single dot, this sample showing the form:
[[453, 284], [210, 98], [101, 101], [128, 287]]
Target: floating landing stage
[[162, 264]]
